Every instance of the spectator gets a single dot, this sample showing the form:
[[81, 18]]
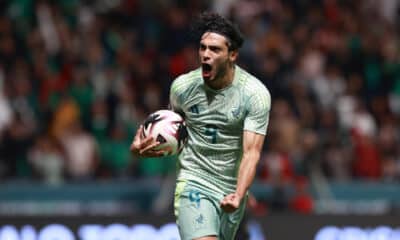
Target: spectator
[[81, 151], [47, 160]]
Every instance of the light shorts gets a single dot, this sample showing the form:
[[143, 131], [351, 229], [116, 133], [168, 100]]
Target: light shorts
[[198, 213]]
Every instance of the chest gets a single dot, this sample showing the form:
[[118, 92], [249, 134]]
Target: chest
[[223, 110]]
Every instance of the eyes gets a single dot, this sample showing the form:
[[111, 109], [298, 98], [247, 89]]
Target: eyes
[[214, 49]]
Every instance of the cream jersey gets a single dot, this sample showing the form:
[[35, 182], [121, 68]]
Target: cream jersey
[[215, 122]]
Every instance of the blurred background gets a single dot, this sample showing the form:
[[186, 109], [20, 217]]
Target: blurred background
[[77, 77]]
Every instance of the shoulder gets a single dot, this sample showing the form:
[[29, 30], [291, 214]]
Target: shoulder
[[253, 87], [186, 81]]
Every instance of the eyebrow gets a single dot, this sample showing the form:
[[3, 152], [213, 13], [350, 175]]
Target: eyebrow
[[213, 46]]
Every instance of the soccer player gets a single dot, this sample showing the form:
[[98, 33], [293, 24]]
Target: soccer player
[[226, 110]]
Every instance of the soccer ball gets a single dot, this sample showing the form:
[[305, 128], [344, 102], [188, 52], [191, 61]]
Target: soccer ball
[[168, 128]]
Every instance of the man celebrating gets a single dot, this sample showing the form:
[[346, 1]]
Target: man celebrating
[[226, 110]]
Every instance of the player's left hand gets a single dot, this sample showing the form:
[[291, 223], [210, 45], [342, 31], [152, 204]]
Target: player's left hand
[[231, 202]]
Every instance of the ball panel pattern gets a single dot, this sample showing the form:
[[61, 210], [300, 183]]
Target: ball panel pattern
[[168, 128]]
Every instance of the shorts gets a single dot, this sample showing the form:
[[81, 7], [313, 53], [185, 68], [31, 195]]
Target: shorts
[[198, 213]]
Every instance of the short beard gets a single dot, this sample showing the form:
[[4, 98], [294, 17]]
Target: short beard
[[224, 69]]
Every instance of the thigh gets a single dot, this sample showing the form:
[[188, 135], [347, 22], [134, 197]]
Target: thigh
[[230, 222], [196, 214]]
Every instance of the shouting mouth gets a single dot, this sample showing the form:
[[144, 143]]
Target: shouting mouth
[[206, 70]]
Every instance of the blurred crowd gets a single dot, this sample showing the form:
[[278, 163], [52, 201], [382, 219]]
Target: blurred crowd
[[77, 77]]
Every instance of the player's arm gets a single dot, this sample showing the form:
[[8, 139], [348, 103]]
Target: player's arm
[[252, 146], [254, 130]]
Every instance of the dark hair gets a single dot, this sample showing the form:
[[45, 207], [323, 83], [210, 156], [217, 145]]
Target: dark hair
[[212, 22]]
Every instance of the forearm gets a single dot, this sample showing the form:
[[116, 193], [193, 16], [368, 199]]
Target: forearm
[[247, 172]]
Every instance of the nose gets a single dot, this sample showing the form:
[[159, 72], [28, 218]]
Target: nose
[[206, 55]]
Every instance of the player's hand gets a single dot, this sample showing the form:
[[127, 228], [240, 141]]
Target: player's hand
[[144, 147], [231, 202]]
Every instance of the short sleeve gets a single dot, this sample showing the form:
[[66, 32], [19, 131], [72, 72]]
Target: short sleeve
[[258, 109], [174, 95]]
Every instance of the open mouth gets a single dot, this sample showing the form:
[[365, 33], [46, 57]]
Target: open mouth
[[206, 69]]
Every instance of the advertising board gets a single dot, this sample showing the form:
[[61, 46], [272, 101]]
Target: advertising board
[[151, 227]]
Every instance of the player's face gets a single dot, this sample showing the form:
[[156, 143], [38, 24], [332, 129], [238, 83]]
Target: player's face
[[215, 56]]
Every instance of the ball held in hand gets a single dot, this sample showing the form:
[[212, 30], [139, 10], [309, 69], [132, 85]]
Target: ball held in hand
[[168, 128]]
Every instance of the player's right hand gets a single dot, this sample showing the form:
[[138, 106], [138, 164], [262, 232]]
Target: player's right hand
[[230, 202], [144, 146]]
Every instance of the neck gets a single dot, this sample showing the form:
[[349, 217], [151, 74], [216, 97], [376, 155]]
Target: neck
[[224, 80]]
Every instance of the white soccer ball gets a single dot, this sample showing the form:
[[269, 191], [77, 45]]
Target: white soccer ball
[[168, 128]]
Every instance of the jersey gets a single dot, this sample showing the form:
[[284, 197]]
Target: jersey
[[215, 121]]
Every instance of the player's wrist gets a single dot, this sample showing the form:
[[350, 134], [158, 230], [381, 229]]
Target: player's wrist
[[240, 194]]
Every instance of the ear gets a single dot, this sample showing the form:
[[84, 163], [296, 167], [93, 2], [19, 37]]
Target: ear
[[233, 55]]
